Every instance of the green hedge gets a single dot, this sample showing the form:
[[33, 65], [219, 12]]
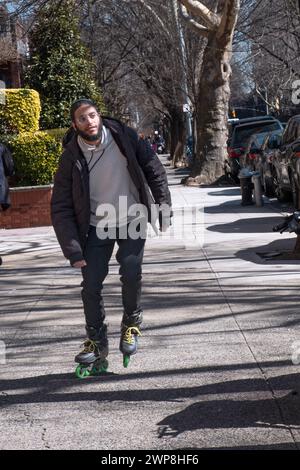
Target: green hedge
[[57, 134], [35, 156], [19, 111]]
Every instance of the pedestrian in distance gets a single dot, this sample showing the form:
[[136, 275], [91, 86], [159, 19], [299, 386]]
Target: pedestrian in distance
[[6, 170], [104, 164]]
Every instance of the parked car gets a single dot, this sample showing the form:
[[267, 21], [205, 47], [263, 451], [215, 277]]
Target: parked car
[[240, 137], [286, 163], [250, 155], [231, 123], [265, 162], [258, 156]]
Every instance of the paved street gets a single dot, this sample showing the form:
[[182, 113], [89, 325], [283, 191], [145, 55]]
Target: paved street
[[214, 368]]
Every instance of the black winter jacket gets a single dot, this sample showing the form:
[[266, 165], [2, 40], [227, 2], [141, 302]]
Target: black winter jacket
[[70, 204], [6, 169]]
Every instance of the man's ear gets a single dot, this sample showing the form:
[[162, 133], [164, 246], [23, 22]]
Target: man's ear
[[73, 125]]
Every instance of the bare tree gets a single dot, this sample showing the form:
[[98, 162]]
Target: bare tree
[[217, 26], [269, 32], [135, 45]]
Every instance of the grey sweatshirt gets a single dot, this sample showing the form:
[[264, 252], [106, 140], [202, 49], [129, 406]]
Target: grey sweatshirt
[[109, 178]]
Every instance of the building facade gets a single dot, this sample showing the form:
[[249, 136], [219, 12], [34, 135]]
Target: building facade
[[14, 50]]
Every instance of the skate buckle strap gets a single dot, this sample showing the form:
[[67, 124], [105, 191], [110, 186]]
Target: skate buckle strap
[[129, 333], [89, 346]]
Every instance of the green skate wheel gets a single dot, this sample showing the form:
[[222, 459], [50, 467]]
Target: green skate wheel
[[82, 372], [100, 368], [126, 360]]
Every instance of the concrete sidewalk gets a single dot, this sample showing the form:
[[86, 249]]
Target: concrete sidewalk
[[214, 369]]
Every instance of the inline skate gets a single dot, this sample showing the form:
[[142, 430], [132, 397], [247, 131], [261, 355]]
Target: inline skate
[[92, 359], [130, 331]]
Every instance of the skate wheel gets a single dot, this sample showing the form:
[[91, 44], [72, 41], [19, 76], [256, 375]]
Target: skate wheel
[[126, 360], [100, 368], [82, 371]]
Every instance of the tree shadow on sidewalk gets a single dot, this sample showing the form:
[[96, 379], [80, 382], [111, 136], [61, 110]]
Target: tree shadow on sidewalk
[[251, 225], [267, 254], [232, 414], [232, 191], [254, 413], [55, 388]]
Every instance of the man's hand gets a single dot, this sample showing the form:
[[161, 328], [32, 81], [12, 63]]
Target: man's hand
[[79, 264], [164, 227], [165, 221]]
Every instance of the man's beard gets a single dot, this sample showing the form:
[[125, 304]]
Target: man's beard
[[90, 138]]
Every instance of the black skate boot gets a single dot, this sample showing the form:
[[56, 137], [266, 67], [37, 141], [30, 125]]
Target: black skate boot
[[130, 331], [92, 359]]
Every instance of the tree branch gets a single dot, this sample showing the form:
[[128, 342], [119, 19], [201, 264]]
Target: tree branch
[[280, 59], [149, 8], [210, 19], [229, 18], [262, 97], [193, 24]]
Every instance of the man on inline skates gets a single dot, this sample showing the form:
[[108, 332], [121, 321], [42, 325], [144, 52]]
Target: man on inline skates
[[104, 162]]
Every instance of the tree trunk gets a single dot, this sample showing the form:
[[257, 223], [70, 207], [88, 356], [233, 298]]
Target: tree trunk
[[211, 115], [217, 26]]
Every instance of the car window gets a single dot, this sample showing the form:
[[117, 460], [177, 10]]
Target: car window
[[296, 130], [242, 134], [255, 141], [273, 140], [260, 138], [292, 131]]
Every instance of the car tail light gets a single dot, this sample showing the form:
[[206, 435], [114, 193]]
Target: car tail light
[[235, 153], [297, 154]]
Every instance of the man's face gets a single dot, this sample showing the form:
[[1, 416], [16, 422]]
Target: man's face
[[88, 123]]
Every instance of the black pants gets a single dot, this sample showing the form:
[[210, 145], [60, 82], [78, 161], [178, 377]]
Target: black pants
[[97, 255]]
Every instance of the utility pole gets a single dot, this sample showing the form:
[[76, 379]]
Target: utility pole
[[184, 70]]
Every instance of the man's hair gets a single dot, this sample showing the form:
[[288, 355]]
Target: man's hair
[[79, 103]]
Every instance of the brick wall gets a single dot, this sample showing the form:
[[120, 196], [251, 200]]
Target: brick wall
[[30, 207]]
